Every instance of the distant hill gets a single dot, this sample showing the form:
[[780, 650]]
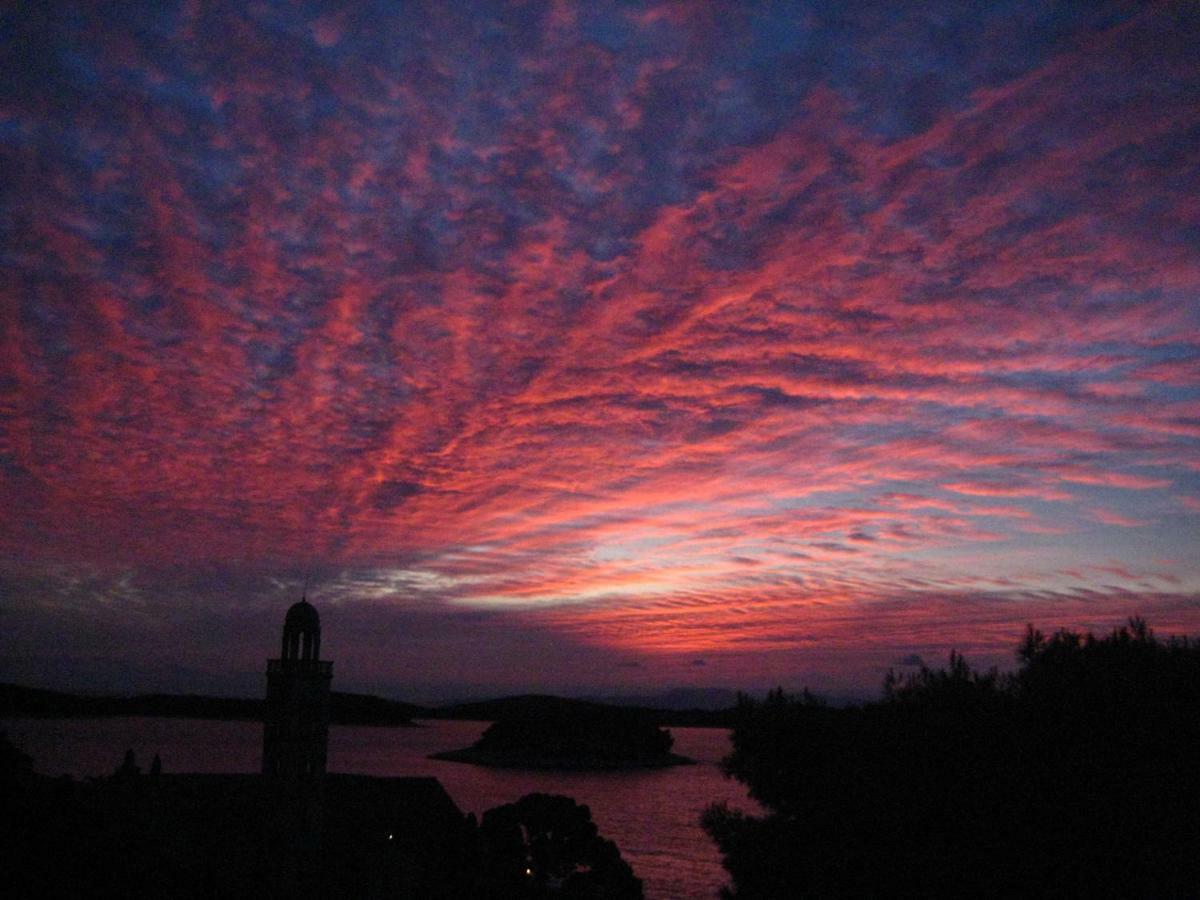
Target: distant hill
[[345, 709], [523, 705], [367, 709], [548, 706], [679, 699]]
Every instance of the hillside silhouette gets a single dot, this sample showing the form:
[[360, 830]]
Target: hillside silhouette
[[345, 708], [1074, 775], [549, 705], [551, 733], [17, 701]]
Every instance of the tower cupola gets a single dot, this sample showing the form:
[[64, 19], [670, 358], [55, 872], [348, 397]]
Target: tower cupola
[[301, 632], [296, 719]]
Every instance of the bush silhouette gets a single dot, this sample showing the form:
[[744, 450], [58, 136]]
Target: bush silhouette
[[607, 734], [546, 845], [1076, 773]]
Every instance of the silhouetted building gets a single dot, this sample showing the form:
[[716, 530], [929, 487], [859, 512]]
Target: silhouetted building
[[293, 832], [296, 721]]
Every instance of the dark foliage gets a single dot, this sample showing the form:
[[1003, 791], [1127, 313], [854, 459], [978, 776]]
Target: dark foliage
[[1076, 774], [546, 845], [553, 733], [15, 765], [606, 733]]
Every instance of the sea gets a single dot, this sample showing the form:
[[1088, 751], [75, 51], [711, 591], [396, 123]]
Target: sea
[[653, 815]]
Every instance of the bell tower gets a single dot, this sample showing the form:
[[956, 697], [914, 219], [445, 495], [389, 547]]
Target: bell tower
[[296, 722]]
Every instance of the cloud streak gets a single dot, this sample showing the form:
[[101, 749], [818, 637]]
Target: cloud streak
[[671, 329]]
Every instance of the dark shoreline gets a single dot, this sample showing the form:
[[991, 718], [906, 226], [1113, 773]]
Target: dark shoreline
[[493, 760], [18, 701], [345, 709]]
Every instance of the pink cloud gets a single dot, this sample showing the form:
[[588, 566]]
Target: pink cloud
[[1109, 517], [591, 336]]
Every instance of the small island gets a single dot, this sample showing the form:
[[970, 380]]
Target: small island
[[574, 737]]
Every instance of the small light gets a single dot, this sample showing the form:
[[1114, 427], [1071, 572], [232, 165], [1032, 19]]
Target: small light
[[391, 836], [529, 871]]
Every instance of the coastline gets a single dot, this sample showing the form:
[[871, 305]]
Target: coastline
[[518, 760]]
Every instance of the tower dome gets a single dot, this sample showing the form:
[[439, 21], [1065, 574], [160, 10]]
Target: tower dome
[[303, 616], [302, 633]]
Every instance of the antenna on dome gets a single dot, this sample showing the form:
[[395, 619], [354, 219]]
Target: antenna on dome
[[304, 593]]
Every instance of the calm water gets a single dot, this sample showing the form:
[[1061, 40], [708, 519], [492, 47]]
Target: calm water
[[652, 815]]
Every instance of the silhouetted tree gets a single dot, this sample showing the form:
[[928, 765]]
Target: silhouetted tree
[[13, 761], [546, 845], [1075, 773], [128, 767], [602, 734]]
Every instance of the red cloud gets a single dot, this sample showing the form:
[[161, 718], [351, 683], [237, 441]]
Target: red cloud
[[566, 337]]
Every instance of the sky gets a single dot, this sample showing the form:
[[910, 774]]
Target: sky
[[601, 347]]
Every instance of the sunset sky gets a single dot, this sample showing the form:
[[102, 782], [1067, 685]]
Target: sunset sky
[[592, 347]]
